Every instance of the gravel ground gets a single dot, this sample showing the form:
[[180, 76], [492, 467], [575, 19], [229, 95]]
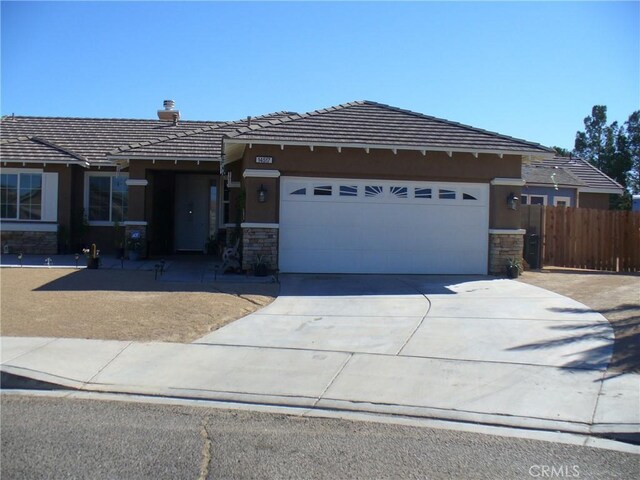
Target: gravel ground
[[120, 305], [616, 296]]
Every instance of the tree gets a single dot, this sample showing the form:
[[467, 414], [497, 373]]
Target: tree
[[613, 149], [563, 152], [632, 127]]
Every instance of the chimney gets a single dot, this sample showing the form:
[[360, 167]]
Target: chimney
[[169, 114]]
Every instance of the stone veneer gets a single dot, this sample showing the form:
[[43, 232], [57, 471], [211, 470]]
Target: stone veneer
[[45, 243], [502, 247], [259, 241]]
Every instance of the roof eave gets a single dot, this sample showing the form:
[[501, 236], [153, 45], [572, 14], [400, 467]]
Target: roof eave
[[542, 154], [613, 191], [81, 163], [163, 158]]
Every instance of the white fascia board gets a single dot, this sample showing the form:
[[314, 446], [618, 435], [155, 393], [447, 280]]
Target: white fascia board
[[158, 159], [259, 225], [31, 226], [134, 182], [45, 162], [134, 223], [257, 173], [513, 182], [507, 231], [615, 191], [529, 153], [551, 185]]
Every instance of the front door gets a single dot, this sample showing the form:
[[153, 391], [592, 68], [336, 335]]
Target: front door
[[192, 212]]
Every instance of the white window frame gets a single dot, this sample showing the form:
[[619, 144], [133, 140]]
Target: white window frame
[[561, 199], [49, 194], [529, 196], [87, 175]]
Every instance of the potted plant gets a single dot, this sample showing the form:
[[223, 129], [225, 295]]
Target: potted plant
[[514, 267], [260, 266], [134, 246], [93, 256]]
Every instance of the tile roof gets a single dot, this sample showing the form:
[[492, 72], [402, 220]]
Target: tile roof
[[545, 175], [94, 139], [367, 123], [33, 149], [589, 175]]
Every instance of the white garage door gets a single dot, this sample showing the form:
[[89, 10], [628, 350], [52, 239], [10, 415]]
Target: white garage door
[[381, 226]]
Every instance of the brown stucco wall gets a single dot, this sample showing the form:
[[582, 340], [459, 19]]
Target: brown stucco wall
[[598, 201], [384, 164], [500, 216], [405, 165], [266, 212]]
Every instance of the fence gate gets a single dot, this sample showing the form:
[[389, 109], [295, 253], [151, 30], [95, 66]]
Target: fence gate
[[585, 238]]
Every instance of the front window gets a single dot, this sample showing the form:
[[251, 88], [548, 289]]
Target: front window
[[21, 196], [108, 198]]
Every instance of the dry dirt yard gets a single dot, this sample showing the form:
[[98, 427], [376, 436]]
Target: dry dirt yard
[[120, 305], [615, 295]]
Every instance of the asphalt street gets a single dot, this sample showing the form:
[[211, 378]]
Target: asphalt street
[[78, 438]]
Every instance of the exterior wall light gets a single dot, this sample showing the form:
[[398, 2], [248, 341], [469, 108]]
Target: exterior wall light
[[512, 201], [262, 194]]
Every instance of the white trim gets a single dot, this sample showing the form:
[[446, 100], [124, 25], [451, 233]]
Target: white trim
[[228, 225], [507, 231], [259, 225], [126, 157], [448, 150], [513, 182], [615, 191], [258, 173], [133, 223], [561, 199], [28, 226], [134, 182], [14, 171], [52, 162], [545, 198]]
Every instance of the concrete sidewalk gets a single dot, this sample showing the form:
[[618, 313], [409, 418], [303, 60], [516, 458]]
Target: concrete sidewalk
[[474, 349], [569, 400]]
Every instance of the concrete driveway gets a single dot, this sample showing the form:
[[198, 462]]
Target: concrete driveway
[[479, 319], [469, 348]]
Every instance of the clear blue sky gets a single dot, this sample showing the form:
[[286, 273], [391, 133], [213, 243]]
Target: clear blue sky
[[531, 70]]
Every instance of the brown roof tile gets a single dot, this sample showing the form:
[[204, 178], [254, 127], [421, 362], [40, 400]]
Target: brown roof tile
[[371, 123]]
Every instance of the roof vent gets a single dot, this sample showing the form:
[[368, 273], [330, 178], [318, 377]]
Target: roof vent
[[169, 114]]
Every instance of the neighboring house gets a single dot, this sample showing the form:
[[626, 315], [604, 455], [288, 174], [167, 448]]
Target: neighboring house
[[569, 182], [358, 188]]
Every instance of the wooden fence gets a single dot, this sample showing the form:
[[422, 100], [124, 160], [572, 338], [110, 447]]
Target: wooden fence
[[585, 238]]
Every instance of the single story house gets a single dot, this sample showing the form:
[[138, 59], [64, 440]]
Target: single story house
[[568, 182], [357, 188]]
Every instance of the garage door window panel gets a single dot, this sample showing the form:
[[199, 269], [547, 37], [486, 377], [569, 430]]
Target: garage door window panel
[[371, 191]]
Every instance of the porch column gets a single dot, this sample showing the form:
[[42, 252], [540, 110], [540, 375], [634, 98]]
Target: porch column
[[260, 231], [506, 238]]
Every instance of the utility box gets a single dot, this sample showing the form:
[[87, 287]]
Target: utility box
[[532, 250]]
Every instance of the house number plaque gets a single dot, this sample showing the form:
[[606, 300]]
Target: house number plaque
[[264, 159]]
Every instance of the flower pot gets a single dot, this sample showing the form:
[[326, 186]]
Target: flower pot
[[134, 256], [513, 271], [261, 271], [93, 263]]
